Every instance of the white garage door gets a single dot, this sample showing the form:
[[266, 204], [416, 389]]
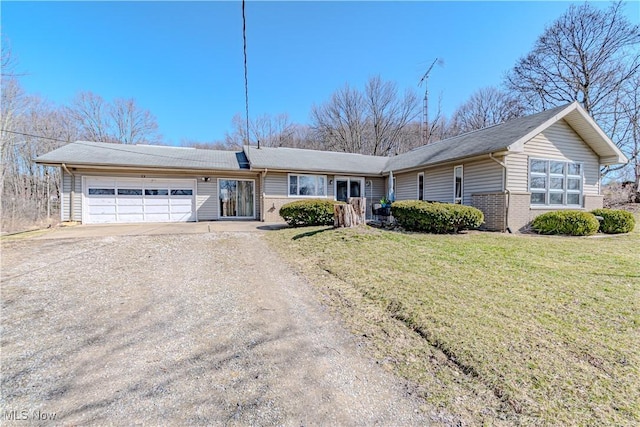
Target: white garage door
[[121, 200]]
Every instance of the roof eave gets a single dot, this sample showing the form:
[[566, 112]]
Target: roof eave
[[103, 166]]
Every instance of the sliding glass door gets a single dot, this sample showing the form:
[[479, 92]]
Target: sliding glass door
[[236, 198]]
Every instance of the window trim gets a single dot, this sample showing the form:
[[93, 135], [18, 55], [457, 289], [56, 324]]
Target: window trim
[[418, 176], [297, 196], [461, 199], [548, 190], [348, 179], [253, 190]]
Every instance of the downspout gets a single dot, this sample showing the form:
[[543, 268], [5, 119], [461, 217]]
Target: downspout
[[263, 175], [505, 190], [72, 196]]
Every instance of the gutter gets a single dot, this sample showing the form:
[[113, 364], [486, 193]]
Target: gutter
[[505, 190], [72, 197]]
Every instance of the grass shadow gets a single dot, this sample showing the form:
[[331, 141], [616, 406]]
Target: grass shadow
[[311, 233]]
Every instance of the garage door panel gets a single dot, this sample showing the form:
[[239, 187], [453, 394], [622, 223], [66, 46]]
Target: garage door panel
[[130, 217], [180, 209], [102, 201], [154, 209], [102, 219], [139, 200], [130, 201], [157, 217], [102, 210], [159, 201], [177, 217], [126, 209]]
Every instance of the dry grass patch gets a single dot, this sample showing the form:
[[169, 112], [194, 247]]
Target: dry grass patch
[[532, 330]]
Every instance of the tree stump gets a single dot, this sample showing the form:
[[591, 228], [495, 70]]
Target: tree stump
[[360, 207], [351, 214]]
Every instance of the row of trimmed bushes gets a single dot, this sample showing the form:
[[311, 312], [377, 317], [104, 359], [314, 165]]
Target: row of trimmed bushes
[[412, 215], [434, 217], [578, 223], [441, 218], [303, 213]]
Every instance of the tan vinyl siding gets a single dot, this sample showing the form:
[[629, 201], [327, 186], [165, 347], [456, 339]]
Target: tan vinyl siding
[[406, 186], [207, 200], [560, 142], [66, 197], [275, 184], [480, 177], [377, 190], [438, 184], [517, 172]]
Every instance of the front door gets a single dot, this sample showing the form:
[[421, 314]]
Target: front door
[[236, 198], [348, 187]]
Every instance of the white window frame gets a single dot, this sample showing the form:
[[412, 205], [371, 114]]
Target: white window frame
[[253, 190], [298, 187], [348, 179], [420, 175], [547, 191], [458, 200]]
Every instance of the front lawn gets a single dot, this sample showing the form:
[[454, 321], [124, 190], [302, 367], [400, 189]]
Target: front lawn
[[493, 328]]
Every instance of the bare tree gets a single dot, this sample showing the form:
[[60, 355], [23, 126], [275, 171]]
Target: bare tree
[[121, 121], [340, 123], [588, 55], [131, 124], [369, 122], [8, 62], [90, 111], [387, 115], [486, 107]]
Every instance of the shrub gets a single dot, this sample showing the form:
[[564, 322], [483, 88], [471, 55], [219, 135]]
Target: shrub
[[615, 221], [308, 212], [572, 223], [435, 217]]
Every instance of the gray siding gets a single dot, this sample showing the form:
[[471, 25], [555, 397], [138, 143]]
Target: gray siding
[[560, 142], [478, 178], [406, 186], [207, 200], [438, 184]]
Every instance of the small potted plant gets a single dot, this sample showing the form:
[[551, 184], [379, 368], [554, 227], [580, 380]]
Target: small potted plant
[[385, 207]]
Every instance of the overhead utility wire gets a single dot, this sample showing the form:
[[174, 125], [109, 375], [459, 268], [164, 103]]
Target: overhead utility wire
[[35, 136], [246, 79]]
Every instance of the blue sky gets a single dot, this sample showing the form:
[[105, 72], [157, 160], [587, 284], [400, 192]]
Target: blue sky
[[183, 60]]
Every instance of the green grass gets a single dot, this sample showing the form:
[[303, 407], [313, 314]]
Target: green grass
[[493, 328]]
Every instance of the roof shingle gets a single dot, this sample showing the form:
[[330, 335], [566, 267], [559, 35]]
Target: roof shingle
[[154, 156]]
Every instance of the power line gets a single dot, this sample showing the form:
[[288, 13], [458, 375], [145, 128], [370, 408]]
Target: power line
[[36, 136], [246, 79]]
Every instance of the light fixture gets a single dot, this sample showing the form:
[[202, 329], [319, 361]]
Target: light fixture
[[206, 178]]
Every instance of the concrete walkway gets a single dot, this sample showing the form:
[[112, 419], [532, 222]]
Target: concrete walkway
[[105, 230]]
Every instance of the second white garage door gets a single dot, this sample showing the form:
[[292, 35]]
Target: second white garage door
[[126, 200]]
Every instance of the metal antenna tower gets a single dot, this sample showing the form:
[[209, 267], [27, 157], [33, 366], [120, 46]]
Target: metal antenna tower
[[425, 102]]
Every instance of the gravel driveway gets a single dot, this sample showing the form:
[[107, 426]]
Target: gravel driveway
[[179, 329]]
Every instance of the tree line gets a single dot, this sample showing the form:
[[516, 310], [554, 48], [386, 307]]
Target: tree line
[[587, 54]]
